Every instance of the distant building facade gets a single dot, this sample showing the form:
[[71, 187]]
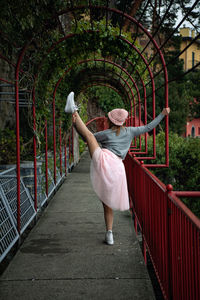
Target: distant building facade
[[193, 128], [191, 55]]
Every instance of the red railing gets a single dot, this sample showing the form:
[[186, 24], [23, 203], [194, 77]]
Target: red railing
[[170, 232]]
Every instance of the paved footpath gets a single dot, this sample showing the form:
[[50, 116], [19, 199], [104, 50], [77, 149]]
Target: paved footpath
[[64, 256]]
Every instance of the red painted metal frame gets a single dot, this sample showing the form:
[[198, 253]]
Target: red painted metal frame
[[18, 135], [53, 103], [17, 91], [46, 160], [103, 125], [145, 113], [69, 143], [4, 80], [132, 95], [153, 91], [153, 108], [170, 232], [132, 104], [187, 193], [107, 79], [132, 20], [96, 60], [54, 136], [65, 149], [34, 149], [100, 83], [60, 140], [103, 80]]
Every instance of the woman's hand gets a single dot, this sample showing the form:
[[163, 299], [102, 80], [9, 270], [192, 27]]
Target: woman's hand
[[74, 118], [166, 111]]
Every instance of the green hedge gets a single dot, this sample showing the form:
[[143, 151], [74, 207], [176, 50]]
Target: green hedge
[[184, 169]]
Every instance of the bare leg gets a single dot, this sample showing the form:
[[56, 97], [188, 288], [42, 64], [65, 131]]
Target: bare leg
[[108, 216], [84, 131]]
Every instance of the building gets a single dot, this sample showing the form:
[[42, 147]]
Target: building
[[191, 55], [193, 128]]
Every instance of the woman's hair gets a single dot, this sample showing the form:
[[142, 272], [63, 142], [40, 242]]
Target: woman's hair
[[114, 127]]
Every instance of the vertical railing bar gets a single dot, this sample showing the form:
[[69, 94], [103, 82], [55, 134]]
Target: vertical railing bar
[[73, 143], [34, 150], [69, 148], [54, 139], [65, 155], [46, 159], [60, 139], [17, 70]]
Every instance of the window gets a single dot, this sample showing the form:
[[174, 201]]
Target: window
[[198, 130], [193, 56], [193, 131]]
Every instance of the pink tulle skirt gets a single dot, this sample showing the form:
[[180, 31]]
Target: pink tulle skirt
[[108, 179]]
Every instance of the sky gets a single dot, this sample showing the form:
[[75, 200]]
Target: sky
[[180, 16]]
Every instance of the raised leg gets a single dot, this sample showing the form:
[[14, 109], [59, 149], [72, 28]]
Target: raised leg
[[85, 133]]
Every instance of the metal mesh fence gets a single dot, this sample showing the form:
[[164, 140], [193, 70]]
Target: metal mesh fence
[[8, 197], [8, 231], [9, 190]]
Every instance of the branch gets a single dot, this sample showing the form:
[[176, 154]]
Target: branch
[[132, 13]]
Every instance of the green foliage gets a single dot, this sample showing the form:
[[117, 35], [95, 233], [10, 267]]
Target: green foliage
[[8, 146], [193, 92], [81, 146], [184, 165], [177, 92], [106, 98], [36, 23]]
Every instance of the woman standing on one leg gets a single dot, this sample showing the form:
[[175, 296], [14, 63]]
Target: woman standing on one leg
[[107, 170]]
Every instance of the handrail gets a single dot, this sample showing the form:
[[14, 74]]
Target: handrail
[[170, 232]]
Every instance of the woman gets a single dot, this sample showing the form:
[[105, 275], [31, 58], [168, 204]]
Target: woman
[[107, 171]]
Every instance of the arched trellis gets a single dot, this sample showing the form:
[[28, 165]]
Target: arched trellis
[[17, 77], [112, 10], [106, 9], [133, 106], [54, 95]]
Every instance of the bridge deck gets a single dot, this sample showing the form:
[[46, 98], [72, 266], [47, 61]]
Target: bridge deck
[[64, 256]]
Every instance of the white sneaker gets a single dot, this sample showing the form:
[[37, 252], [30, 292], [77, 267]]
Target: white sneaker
[[70, 106], [109, 238]]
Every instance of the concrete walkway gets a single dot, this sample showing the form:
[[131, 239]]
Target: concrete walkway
[[64, 256]]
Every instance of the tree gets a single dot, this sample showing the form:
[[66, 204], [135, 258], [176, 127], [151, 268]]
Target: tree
[[184, 160], [193, 91]]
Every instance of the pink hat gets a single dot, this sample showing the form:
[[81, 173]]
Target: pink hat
[[118, 116]]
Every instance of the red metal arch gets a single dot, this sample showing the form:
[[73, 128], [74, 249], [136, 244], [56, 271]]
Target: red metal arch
[[20, 58], [132, 20], [54, 94], [99, 73], [153, 91], [134, 105]]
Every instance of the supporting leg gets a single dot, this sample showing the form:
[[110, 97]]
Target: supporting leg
[[85, 133], [108, 216]]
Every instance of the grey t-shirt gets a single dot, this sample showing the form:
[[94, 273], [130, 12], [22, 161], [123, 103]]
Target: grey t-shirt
[[120, 144]]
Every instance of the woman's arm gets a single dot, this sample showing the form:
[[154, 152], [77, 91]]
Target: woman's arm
[[146, 128]]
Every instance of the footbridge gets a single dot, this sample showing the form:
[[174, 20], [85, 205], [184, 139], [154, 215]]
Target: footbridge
[[144, 52]]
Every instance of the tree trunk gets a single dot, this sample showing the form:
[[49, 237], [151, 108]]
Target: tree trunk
[[132, 13]]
